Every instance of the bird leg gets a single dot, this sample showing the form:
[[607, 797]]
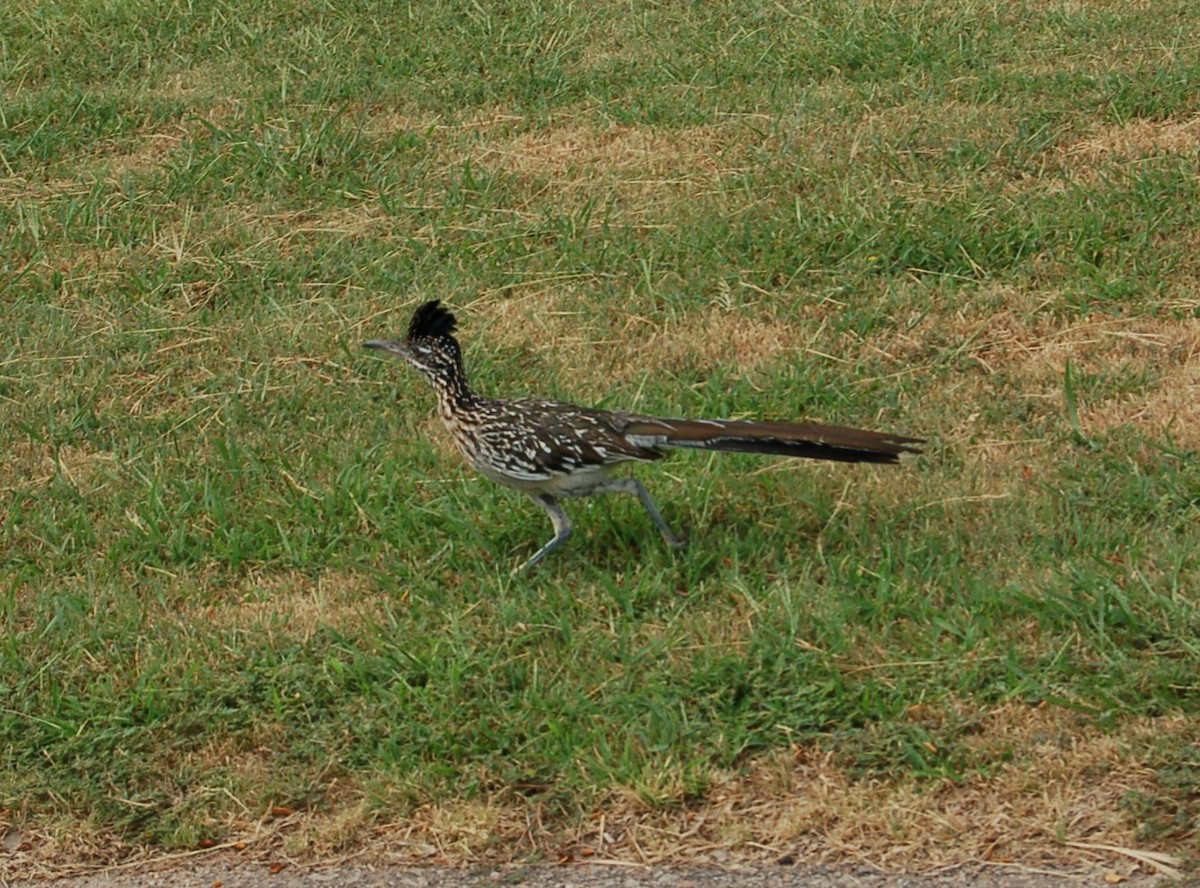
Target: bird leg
[[562, 524], [635, 487], [562, 528]]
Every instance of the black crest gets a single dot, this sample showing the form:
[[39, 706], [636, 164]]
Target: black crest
[[431, 319]]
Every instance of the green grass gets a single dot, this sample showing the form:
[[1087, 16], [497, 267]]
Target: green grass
[[237, 569]]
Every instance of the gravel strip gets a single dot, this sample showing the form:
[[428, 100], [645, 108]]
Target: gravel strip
[[234, 874]]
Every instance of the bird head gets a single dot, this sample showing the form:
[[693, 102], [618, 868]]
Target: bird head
[[430, 345]]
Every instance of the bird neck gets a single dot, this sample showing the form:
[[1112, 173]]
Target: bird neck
[[454, 392]]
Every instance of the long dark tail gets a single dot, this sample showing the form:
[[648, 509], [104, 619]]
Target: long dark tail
[[801, 439]]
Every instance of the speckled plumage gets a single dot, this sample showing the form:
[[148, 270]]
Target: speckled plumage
[[549, 449]]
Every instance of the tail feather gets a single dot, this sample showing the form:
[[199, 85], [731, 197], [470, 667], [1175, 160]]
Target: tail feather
[[807, 440]]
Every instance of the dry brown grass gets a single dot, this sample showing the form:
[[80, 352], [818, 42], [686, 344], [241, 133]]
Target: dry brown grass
[[1125, 144], [1077, 6], [718, 338], [615, 351], [1058, 803], [1065, 787], [1137, 138], [389, 122], [292, 606], [628, 153], [644, 167], [29, 466], [152, 150], [1023, 349]]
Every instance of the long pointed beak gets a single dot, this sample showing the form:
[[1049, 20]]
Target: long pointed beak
[[387, 345]]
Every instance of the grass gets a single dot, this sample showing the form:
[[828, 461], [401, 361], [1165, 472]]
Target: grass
[[245, 591]]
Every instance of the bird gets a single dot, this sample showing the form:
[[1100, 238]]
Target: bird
[[551, 450]]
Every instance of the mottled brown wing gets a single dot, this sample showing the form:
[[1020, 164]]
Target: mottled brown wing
[[548, 439]]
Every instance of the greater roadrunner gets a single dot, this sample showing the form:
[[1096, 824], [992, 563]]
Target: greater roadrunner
[[549, 450]]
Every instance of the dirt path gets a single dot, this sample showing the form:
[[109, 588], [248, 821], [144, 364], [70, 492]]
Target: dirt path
[[216, 873]]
